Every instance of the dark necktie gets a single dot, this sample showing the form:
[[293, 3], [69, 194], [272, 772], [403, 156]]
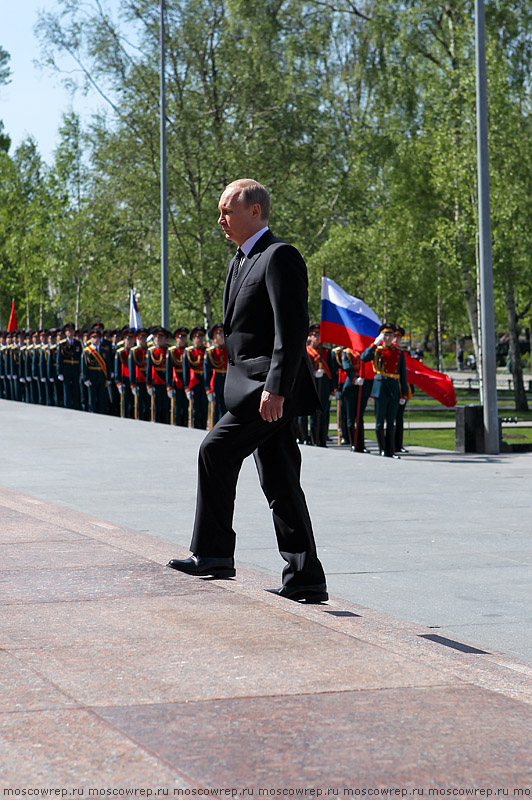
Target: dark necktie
[[239, 257]]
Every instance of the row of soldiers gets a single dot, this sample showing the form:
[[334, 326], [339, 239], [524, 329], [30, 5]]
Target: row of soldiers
[[137, 374], [339, 372], [129, 373]]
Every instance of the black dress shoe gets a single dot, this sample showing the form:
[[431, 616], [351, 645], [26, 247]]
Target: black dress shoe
[[304, 594], [203, 566]]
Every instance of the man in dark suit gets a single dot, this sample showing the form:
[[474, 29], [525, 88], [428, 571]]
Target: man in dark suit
[[269, 383]]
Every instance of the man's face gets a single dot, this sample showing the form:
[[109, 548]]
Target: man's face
[[198, 339], [95, 339], [181, 341], [314, 337], [129, 342], [388, 339], [160, 340], [142, 340], [237, 220], [397, 339], [218, 337], [43, 338]]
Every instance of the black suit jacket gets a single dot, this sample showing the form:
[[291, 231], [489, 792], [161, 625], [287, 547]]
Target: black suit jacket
[[266, 328]]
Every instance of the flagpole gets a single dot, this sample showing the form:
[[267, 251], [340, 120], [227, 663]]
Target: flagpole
[[165, 305]]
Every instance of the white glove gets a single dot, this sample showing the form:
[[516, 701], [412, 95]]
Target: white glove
[[120, 387], [318, 373], [52, 380], [189, 395], [379, 338], [331, 397], [61, 377], [151, 390], [170, 393], [43, 380], [23, 380], [134, 389], [87, 383], [359, 382], [210, 397], [35, 378], [402, 401]]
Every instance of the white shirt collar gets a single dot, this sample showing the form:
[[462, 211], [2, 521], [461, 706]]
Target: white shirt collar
[[250, 243]]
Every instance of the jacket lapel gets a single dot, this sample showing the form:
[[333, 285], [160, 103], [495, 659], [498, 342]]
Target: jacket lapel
[[231, 292]]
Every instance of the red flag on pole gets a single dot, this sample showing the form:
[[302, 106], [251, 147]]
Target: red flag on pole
[[12, 325], [435, 384]]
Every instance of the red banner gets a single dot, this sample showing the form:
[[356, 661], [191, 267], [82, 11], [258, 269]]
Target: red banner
[[435, 384]]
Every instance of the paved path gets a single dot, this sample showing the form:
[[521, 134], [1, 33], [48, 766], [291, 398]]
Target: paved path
[[120, 677], [437, 539]]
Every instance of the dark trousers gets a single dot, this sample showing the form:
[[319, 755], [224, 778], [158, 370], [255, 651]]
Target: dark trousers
[[98, 397], [71, 391], [278, 460]]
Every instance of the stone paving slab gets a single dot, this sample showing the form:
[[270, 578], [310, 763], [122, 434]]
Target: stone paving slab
[[396, 536], [123, 674]]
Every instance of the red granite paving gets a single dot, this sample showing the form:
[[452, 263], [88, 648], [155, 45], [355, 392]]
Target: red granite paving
[[118, 672], [447, 737]]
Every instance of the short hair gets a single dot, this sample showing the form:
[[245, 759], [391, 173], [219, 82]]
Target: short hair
[[251, 192]]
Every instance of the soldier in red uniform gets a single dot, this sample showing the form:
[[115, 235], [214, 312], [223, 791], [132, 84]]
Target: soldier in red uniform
[[137, 375], [156, 376], [389, 386], [215, 370], [194, 379], [321, 360], [122, 378], [174, 379]]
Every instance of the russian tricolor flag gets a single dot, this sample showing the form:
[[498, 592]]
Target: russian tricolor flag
[[346, 320], [135, 321], [349, 322]]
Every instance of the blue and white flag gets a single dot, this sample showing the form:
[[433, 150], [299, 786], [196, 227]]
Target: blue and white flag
[[135, 321]]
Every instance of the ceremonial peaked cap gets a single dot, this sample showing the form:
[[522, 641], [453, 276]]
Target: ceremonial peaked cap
[[387, 327], [214, 328], [197, 329]]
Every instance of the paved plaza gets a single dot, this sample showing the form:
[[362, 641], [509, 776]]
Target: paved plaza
[[118, 673]]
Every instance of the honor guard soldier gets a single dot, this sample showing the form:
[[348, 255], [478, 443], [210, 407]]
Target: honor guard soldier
[[18, 381], [340, 377], [39, 365], [137, 375], [174, 379], [156, 376], [320, 358], [354, 398], [68, 367], [389, 386], [3, 348], [123, 383], [95, 372], [400, 417], [194, 379], [215, 370]]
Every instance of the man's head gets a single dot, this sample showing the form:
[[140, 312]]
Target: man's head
[[314, 335], [197, 335], [216, 334], [244, 209], [388, 331], [398, 335], [95, 337]]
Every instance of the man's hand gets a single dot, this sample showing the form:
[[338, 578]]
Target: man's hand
[[271, 406]]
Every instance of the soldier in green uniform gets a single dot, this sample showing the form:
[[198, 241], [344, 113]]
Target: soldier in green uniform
[[194, 379], [68, 367], [137, 375], [215, 370], [3, 379], [389, 386], [156, 376], [95, 372], [400, 416], [174, 378], [321, 360], [122, 379]]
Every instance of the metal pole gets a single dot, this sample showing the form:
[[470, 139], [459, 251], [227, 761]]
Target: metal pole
[[165, 305], [489, 370]]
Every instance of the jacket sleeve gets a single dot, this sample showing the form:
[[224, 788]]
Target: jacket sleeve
[[287, 286]]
